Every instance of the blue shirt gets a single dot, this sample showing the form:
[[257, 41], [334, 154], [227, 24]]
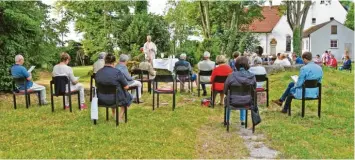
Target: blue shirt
[[299, 60], [182, 65], [310, 71], [124, 71], [347, 64], [19, 71]]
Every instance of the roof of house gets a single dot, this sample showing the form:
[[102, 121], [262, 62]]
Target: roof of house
[[312, 29], [271, 18]]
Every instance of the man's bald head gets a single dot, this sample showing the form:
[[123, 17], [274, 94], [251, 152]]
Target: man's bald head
[[19, 59]]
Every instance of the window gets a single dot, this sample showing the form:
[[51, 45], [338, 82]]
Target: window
[[313, 20], [333, 43], [307, 44], [288, 43], [334, 29]]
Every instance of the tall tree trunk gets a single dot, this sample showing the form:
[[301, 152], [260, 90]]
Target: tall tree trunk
[[204, 11]]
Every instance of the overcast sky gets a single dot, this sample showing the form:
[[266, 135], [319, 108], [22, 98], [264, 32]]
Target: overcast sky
[[155, 7]]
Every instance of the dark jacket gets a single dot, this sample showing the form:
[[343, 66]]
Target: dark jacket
[[240, 78], [182, 65]]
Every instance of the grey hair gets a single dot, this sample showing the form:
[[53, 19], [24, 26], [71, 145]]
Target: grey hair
[[183, 56], [18, 57], [102, 55], [124, 58]]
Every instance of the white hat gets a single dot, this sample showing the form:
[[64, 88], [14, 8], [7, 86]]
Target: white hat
[[206, 54]]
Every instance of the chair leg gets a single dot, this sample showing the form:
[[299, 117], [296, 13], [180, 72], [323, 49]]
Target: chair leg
[[117, 119], [137, 97], [267, 98], [52, 103], [225, 116], [107, 113], [174, 101], [153, 100], [63, 101], [70, 104], [26, 99], [95, 122], [14, 100], [125, 114], [39, 99], [303, 107], [198, 89], [289, 111], [79, 100], [228, 118], [158, 100], [319, 107], [246, 118], [142, 87], [29, 99], [214, 94]]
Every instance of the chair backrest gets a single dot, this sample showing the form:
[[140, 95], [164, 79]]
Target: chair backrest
[[16, 82], [220, 79], [164, 78], [60, 83], [93, 76], [205, 73], [241, 90], [136, 72], [182, 72], [106, 89], [261, 78], [310, 84]]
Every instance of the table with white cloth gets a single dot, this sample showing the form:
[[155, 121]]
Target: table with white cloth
[[165, 64]]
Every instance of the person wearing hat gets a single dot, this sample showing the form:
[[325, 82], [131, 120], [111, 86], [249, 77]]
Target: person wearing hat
[[100, 63], [205, 65]]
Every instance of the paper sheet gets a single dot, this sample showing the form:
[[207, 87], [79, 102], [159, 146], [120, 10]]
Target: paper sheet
[[31, 69], [294, 78]]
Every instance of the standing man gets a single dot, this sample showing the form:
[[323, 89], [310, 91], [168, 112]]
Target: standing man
[[150, 49]]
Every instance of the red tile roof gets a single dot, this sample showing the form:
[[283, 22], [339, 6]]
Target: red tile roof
[[271, 18]]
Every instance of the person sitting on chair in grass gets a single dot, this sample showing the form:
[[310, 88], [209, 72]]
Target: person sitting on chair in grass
[[19, 71], [146, 66], [310, 71], [240, 77], [100, 62], [183, 65], [122, 66], [223, 69], [111, 76], [333, 62], [346, 64], [62, 69], [205, 65]]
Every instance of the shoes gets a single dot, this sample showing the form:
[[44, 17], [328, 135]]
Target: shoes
[[83, 106], [67, 107], [135, 101], [242, 123], [283, 111], [204, 93], [278, 102]]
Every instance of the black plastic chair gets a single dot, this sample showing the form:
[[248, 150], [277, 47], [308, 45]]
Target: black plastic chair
[[26, 92], [203, 73], [239, 90], [184, 73], [109, 90], [217, 79], [92, 78], [263, 78], [141, 74], [63, 82], [310, 84], [156, 90]]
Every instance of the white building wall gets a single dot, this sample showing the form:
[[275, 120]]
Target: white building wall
[[320, 40], [280, 32]]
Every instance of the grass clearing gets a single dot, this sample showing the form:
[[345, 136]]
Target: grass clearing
[[190, 131]]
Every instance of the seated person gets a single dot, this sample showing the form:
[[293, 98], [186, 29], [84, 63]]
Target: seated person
[[183, 65], [111, 76], [62, 69], [258, 69], [238, 78], [223, 69], [100, 62], [318, 60], [278, 59], [122, 66], [310, 71], [296, 59], [19, 71], [332, 62], [146, 66], [346, 64], [205, 65], [232, 61], [283, 61]]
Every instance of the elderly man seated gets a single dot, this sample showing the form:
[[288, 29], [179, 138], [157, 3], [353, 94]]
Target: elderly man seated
[[100, 63], [146, 66], [183, 65], [19, 71], [205, 65], [122, 66]]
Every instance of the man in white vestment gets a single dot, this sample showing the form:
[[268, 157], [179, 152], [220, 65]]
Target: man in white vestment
[[150, 49]]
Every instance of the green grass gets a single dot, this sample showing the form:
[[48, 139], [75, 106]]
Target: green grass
[[191, 131]]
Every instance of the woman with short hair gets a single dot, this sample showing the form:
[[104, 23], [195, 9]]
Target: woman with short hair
[[223, 69]]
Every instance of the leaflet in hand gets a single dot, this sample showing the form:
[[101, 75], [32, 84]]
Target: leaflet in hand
[[31, 69], [294, 78], [76, 78]]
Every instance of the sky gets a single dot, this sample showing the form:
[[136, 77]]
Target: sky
[[155, 7]]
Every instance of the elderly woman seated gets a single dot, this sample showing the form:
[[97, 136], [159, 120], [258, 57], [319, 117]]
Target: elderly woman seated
[[346, 64], [223, 69], [110, 76], [239, 78]]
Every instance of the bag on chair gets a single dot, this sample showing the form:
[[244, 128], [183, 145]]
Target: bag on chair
[[94, 106]]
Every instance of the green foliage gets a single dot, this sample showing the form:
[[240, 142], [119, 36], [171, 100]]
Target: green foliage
[[350, 16], [297, 41], [25, 29]]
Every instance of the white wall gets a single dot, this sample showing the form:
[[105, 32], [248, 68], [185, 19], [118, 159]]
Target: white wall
[[304, 48], [320, 40]]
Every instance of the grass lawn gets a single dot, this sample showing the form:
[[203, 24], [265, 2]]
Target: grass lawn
[[191, 131]]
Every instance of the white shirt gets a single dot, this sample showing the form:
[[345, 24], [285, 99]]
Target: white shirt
[[63, 70], [150, 49], [205, 65], [258, 70], [283, 62]]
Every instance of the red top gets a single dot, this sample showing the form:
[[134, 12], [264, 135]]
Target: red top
[[333, 62], [221, 70]]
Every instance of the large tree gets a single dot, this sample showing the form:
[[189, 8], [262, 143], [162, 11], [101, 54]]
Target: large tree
[[350, 16], [296, 12]]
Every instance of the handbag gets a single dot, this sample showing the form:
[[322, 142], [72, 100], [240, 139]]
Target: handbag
[[94, 106], [255, 116]]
